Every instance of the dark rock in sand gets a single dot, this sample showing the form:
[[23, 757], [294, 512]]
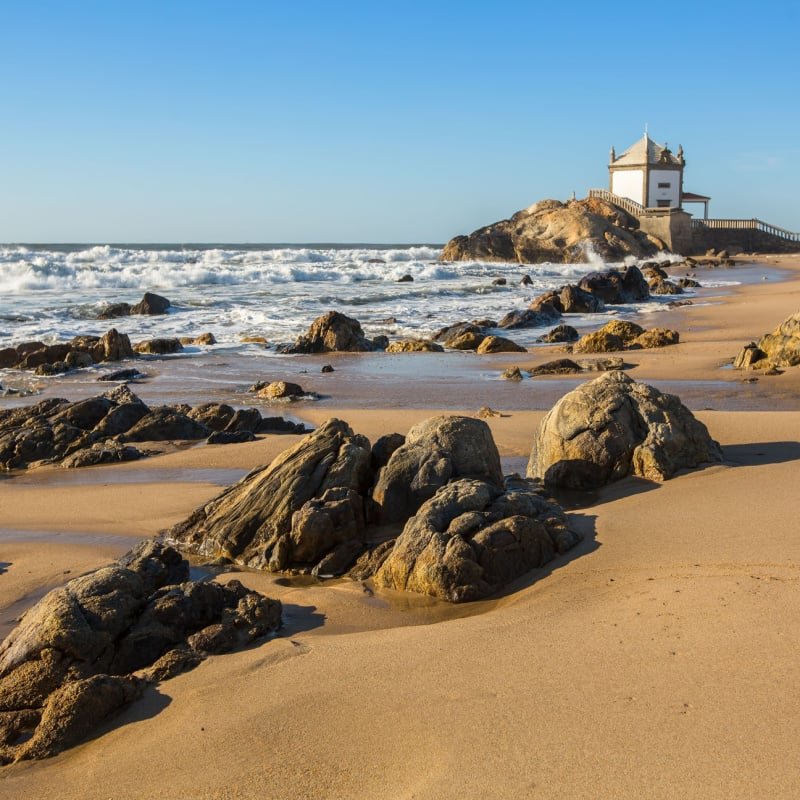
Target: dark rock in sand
[[109, 452], [279, 425], [612, 427], [253, 522], [560, 334], [67, 667], [561, 366], [165, 423]]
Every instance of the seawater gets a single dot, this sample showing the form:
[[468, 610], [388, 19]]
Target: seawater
[[55, 292]]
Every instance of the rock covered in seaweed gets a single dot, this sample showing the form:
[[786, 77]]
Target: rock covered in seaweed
[[612, 427]]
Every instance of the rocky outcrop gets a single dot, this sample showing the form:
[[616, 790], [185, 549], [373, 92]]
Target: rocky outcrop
[[95, 430], [616, 286], [333, 332], [473, 537], [781, 348], [612, 427], [623, 335], [91, 647], [553, 231], [325, 506], [308, 493], [434, 452], [53, 359], [278, 390]]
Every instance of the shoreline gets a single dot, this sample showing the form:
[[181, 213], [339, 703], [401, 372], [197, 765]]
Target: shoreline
[[678, 617]]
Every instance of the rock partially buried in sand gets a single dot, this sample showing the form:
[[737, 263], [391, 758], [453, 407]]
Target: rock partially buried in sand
[[499, 344], [317, 507], [612, 427], [253, 522], [89, 648], [415, 346], [783, 345], [559, 334], [278, 390], [472, 538]]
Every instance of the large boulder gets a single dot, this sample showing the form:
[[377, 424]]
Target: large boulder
[[472, 538], [287, 512], [499, 344], [69, 665], [612, 427], [332, 332], [782, 346], [435, 452], [572, 232], [615, 286]]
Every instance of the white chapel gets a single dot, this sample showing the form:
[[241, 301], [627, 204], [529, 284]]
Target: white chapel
[[651, 175]]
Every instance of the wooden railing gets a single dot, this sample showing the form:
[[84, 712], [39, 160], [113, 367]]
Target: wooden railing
[[746, 224], [631, 206]]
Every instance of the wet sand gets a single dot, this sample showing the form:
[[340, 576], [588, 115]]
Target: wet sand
[[657, 659]]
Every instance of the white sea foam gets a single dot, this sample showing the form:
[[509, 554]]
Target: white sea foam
[[273, 291]]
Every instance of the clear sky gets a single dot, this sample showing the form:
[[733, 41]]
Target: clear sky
[[378, 122]]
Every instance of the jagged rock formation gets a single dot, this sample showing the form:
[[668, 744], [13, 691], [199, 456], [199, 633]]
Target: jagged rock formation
[[294, 510], [325, 505], [612, 427], [557, 232], [82, 351], [781, 348], [97, 430], [89, 648]]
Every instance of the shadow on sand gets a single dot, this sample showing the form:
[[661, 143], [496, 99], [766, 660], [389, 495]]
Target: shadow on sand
[[761, 453]]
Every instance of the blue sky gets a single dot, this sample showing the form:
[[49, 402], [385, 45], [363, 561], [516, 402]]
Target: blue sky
[[404, 122]]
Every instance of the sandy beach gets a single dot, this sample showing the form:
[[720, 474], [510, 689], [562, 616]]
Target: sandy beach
[[656, 659]]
